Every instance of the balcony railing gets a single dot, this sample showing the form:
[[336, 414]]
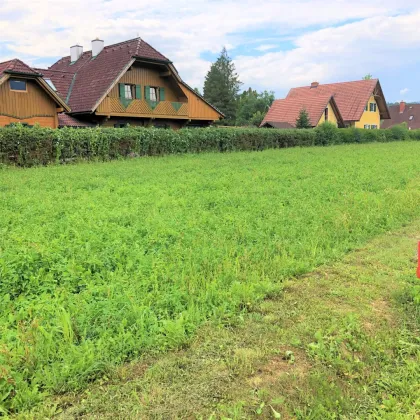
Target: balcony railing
[[143, 108]]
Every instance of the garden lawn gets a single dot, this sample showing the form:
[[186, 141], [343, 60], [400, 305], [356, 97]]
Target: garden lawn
[[102, 263]]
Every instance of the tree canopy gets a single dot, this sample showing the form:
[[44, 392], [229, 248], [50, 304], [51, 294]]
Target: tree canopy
[[303, 120], [252, 107], [221, 86]]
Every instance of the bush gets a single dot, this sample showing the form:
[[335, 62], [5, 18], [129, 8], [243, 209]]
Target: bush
[[326, 133], [24, 146]]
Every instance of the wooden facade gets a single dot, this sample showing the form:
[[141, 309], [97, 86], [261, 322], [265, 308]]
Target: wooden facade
[[30, 107], [179, 106]]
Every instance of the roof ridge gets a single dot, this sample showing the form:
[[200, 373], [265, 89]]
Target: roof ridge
[[57, 71], [338, 83], [108, 46], [154, 49]]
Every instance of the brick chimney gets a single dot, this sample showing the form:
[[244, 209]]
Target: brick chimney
[[402, 107], [314, 85]]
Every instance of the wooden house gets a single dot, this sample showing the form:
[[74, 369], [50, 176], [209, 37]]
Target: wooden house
[[26, 97], [127, 83]]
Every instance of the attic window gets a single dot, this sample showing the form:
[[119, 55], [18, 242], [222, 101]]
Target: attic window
[[326, 114], [154, 94], [129, 91], [18, 85], [51, 84], [372, 107]]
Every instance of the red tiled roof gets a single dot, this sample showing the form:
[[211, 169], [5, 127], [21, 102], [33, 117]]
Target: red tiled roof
[[16, 66], [351, 97], [412, 110], [287, 110], [61, 79], [93, 76], [65, 120]]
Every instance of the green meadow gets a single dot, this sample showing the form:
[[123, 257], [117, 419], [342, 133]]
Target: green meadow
[[103, 263]]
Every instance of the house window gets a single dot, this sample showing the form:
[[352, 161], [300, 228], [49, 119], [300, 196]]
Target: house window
[[326, 114], [129, 91], [154, 94], [19, 85], [367, 126], [373, 127], [366, 107], [372, 107]]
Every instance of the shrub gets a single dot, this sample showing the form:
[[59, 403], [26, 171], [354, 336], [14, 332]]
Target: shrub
[[24, 146], [326, 133]]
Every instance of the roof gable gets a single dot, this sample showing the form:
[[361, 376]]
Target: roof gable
[[286, 111], [16, 66], [92, 77], [351, 97]]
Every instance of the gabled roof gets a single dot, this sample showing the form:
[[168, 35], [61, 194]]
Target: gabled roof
[[409, 111], [351, 97], [19, 68], [16, 66], [93, 76], [286, 111]]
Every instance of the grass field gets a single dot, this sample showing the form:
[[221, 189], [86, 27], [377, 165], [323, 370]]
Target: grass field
[[103, 263]]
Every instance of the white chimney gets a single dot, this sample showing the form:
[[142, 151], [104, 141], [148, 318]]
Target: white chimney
[[75, 52], [97, 46]]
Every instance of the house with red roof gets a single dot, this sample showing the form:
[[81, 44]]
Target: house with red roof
[[120, 84], [26, 97], [404, 113], [359, 104]]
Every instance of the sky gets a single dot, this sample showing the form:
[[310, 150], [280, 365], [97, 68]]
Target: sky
[[275, 44]]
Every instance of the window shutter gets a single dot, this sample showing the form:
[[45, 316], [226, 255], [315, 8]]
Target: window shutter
[[161, 94], [138, 92], [122, 90], [147, 93]]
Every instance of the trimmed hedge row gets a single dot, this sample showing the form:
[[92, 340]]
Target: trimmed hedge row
[[24, 146]]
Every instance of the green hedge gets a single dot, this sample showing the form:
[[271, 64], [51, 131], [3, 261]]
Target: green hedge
[[25, 146]]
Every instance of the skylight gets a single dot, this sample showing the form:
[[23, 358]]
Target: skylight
[[51, 84], [411, 117]]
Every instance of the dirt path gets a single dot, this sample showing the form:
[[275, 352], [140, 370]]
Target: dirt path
[[342, 342]]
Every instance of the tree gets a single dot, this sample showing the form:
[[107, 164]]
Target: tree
[[197, 91], [302, 120], [257, 118], [368, 77], [250, 103], [221, 87]]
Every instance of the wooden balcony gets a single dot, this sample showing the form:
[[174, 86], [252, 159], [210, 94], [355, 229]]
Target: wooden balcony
[[143, 109]]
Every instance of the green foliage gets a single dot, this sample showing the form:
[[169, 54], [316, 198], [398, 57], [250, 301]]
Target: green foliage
[[257, 118], [221, 87], [303, 120], [101, 263], [368, 77], [24, 146], [252, 107], [326, 133]]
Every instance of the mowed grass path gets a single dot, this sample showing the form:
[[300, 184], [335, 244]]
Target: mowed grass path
[[100, 263]]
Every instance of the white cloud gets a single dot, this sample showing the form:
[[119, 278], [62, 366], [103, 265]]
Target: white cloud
[[266, 47], [183, 30], [404, 91]]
